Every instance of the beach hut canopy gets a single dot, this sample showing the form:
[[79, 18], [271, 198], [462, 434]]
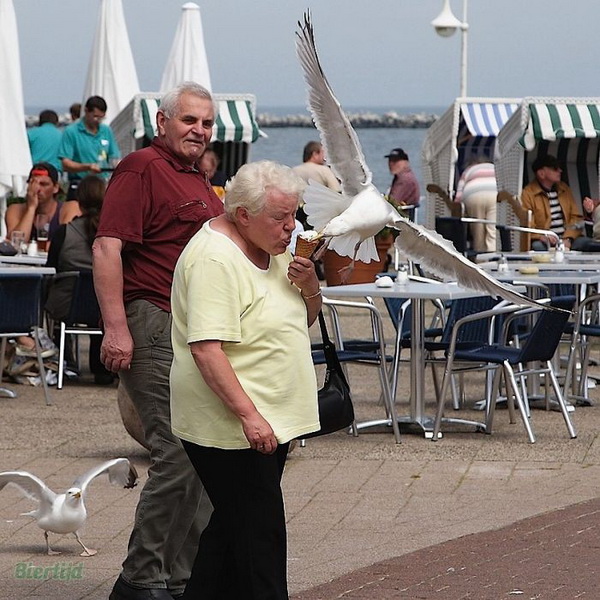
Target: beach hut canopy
[[568, 128], [235, 127], [235, 121], [467, 130]]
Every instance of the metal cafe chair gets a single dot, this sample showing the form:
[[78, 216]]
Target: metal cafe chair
[[370, 352], [20, 301], [512, 362], [83, 317], [586, 326]]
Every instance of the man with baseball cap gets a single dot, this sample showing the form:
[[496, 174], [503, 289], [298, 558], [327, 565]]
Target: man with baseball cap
[[40, 199], [405, 187], [552, 206]]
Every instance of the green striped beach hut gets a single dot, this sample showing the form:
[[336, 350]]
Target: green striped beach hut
[[234, 131], [568, 128]]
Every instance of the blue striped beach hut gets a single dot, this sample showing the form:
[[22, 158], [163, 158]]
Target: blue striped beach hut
[[466, 131]]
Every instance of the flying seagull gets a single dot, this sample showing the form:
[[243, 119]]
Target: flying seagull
[[65, 513], [350, 220]]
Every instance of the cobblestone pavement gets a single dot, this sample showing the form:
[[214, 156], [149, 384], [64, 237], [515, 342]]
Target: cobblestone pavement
[[470, 516]]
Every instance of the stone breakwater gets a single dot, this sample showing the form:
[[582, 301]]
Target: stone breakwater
[[358, 120], [364, 119]]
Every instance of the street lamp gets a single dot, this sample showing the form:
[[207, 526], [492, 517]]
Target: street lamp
[[445, 25]]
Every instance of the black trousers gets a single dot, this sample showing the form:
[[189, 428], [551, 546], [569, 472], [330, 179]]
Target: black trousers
[[243, 551]]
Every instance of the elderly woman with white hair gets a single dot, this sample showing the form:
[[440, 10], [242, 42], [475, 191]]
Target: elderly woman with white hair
[[242, 382]]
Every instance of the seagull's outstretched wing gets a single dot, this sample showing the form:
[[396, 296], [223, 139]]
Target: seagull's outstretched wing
[[120, 472], [339, 139], [436, 254], [33, 487]]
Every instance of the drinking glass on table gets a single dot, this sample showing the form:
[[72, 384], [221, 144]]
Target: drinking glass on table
[[17, 239], [42, 230]]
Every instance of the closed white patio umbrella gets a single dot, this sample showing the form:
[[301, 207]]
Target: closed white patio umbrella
[[111, 71], [15, 159], [187, 59]]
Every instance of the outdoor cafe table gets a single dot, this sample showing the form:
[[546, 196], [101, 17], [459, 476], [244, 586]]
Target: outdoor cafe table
[[418, 292], [24, 259], [574, 256], [18, 270], [567, 275], [584, 265]]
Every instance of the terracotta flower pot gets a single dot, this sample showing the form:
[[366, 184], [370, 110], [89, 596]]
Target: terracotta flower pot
[[363, 272]]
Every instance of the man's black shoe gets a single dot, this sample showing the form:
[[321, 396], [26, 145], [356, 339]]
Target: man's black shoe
[[124, 591]]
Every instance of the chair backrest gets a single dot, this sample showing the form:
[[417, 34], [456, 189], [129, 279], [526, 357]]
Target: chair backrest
[[84, 309], [400, 311], [454, 230], [20, 296], [475, 331], [505, 234], [547, 331]]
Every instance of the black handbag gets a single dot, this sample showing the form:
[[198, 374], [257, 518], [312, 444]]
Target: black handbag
[[335, 404]]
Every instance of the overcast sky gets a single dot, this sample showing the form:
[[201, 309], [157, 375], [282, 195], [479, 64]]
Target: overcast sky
[[374, 52]]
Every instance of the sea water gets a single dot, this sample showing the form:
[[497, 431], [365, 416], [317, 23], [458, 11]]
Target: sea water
[[285, 145]]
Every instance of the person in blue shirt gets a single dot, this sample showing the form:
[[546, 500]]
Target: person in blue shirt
[[44, 140], [88, 146]]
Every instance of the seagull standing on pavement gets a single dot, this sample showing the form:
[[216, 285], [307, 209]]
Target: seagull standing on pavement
[[65, 513], [350, 220]]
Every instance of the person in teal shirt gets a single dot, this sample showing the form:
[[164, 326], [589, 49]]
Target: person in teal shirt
[[88, 146], [44, 140]]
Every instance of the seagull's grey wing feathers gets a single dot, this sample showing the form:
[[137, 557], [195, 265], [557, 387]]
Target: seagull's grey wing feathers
[[33, 487], [120, 472], [341, 143], [439, 256]]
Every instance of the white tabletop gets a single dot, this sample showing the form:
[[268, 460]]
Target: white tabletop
[[20, 270], [25, 259], [570, 256], [549, 276], [411, 289], [573, 265]]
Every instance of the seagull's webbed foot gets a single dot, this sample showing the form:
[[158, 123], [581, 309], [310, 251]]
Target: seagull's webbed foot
[[86, 551], [49, 550], [346, 272]]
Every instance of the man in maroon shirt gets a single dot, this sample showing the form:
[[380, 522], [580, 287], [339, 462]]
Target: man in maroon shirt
[[156, 201]]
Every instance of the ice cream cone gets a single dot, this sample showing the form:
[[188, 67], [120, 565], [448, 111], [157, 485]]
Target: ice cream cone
[[305, 248]]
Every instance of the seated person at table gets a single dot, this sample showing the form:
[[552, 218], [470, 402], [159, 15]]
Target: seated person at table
[[553, 207], [71, 250], [592, 206], [209, 163], [40, 200]]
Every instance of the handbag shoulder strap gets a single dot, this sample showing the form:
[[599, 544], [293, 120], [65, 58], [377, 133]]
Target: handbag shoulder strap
[[331, 357]]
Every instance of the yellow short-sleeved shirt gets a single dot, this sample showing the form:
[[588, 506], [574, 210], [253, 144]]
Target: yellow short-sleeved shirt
[[218, 294]]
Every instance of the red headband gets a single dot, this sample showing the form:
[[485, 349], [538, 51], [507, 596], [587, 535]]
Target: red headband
[[41, 172]]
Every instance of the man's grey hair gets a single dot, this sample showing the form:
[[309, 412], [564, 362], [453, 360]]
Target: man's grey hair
[[248, 188], [169, 103]]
